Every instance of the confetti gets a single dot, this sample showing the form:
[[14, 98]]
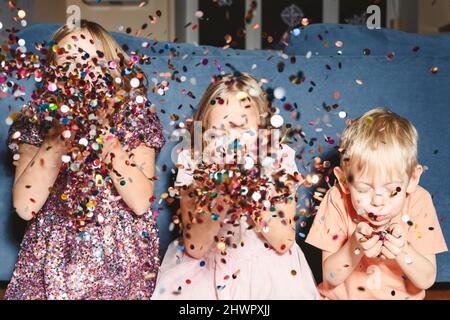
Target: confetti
[[367, 52], [408, 260], [276, 121], [21, 14], [279, 93], [296, 32]]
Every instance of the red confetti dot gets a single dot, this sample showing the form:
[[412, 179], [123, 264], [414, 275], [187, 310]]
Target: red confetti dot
[[337, 95], [335, 237], [188, 281]]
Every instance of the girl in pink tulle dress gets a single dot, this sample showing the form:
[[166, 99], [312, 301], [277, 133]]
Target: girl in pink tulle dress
[[250, 256]]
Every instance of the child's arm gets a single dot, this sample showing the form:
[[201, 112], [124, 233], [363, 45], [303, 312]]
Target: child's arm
[[131, 173], [199, 235], [281, 230], [420, 269], [338, 266], [36, 172]]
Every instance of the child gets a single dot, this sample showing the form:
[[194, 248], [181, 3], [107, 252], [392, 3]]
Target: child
[[86, 239], [378, 229], [248, 257]]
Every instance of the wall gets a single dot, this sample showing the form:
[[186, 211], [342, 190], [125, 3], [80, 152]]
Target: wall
[[112, 17]]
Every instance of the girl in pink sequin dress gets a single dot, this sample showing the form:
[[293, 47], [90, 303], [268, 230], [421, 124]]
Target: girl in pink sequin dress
[[92, 234]]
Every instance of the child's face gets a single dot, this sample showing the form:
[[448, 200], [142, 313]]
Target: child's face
[[80, 48], [376, 196], [236, 113], [237, 118]]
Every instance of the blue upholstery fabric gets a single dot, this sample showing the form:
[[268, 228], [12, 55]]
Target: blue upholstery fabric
[[405, 84]]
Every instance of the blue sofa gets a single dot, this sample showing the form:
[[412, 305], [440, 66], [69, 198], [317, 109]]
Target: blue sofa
[[366, 69]]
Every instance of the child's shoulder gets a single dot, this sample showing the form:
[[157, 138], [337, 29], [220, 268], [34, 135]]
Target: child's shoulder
[[286, 151], [419, 198], [184, 159], [420, 192], [340, 203], [336, 196]]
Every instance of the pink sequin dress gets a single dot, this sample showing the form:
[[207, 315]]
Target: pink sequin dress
[[115, 257]]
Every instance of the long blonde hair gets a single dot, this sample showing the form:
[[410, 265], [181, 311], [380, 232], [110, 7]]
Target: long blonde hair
[[112, 51]]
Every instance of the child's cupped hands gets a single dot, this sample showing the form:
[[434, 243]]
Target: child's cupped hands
[[394, 241], [388, 244], [368, 240]]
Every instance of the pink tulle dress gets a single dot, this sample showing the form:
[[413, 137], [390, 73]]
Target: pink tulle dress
[[249, 270]]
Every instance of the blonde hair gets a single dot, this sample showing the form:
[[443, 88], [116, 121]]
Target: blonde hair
[[112, 51], [227, 84], [380, 139]]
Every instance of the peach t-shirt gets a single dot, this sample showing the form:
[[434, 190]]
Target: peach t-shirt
[[373, 278]]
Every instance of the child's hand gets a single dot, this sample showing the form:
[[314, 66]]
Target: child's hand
[[370, 243], [109, 142], [59, 137], [394, 241]]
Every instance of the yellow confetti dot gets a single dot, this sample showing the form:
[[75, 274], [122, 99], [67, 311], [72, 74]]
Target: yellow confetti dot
[[98, 180], [368, 120], [241, 95], [221, 246], [64, 196], [21, 14], [91, 204]]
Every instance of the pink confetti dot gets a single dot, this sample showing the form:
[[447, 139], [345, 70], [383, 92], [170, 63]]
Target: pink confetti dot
[[52, 87]]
